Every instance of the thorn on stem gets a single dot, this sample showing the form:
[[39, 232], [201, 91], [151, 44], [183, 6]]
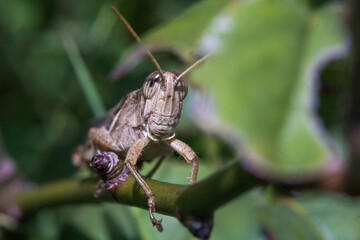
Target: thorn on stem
[[199, 226]]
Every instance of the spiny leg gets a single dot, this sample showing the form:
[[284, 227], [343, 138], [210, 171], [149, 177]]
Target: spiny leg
[[186, 152], [155, 168], [130, 161]]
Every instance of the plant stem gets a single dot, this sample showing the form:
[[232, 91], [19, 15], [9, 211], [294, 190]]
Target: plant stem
[[69, 191], [206, 196], [200, 199]]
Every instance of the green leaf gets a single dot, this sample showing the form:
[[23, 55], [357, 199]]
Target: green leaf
[[106, 221], [287, 220], [267, 87], [84, 77], [86, 221], [313, 216], [183, 33], [262, 77], [336, 216], [238, 220], [180, 35]]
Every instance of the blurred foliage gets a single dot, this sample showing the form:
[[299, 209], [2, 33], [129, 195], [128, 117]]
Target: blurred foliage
[[280, 48], [276, 79], [312, 216], [273, 89]]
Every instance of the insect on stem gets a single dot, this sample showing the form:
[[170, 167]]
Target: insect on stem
[[133, 33], [191, 67], [154, 112]]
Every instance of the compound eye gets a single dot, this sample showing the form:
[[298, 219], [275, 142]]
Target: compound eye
[[151, 84], [182, 88]]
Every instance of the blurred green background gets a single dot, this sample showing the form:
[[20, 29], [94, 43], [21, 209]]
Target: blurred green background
[[276, 78], [44, 112]]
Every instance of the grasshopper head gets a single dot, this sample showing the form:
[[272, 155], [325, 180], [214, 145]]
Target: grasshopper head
[[163, 103], [164, 93]]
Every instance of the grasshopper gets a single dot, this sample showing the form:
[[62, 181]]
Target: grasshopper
[[140, 128]]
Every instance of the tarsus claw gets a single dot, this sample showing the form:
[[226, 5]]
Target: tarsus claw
[[155, 222], [159, 227]]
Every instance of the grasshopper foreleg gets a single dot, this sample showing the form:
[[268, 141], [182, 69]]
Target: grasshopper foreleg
[[188, 154], [130, 162]]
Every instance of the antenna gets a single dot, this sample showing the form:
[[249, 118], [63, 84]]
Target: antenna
[[191, 67], [133, 33]]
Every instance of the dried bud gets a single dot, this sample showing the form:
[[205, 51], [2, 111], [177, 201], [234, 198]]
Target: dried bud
[[108, 167], [106, 163]]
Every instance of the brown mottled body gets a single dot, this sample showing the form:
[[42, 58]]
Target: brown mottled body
[[142, 127], [128, 126]]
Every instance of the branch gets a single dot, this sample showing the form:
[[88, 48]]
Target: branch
[[200, 199]]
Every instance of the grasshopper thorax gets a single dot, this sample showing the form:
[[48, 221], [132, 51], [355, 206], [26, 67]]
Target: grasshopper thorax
[[163, 104]]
